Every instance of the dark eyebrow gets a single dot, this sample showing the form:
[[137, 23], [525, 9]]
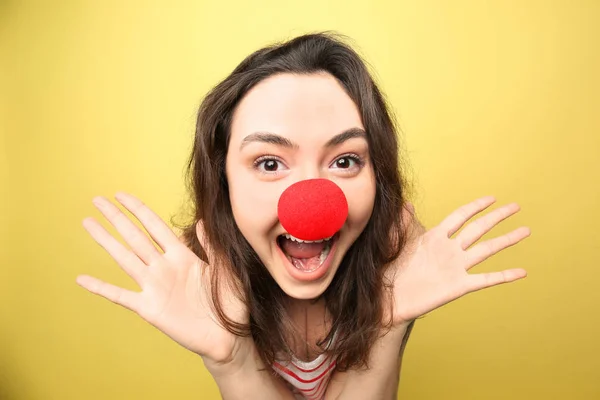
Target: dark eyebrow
[[346, 135], [267, 137]]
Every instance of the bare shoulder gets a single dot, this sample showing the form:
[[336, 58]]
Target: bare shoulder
[[336, 384]]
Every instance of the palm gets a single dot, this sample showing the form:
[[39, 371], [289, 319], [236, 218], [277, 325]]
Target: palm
[[172, 301], [434, 269], [175, 284]]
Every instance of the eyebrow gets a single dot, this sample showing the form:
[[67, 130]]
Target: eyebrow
[[272, 138]]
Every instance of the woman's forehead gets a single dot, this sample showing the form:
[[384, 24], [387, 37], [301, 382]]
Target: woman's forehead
[[294, 106]]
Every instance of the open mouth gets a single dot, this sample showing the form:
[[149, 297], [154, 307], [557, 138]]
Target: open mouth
[[304, 255]]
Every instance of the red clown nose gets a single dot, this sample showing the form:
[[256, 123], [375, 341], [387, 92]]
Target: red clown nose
[[312, 209]]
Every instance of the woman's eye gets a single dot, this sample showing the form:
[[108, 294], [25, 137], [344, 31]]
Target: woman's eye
[[268, 165], [344, 162], [347, 162]]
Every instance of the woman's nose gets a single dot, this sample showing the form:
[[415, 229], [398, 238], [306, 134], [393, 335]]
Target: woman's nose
[[312, 209], [309, 172]]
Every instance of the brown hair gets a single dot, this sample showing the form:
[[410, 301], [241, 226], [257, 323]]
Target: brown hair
[[355, 297]]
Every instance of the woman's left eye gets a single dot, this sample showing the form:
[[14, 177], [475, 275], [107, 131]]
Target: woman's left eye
[[347, 161]]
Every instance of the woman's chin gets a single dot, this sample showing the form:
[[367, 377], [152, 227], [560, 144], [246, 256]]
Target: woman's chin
[[302, 293]]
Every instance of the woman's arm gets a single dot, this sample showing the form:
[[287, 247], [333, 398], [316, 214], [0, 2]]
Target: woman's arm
[[246, 378], [381, 380]]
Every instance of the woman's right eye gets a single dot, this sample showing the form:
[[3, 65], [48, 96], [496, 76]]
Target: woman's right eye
[[269, 165]]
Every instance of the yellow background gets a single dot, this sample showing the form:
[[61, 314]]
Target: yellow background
[[494, 98]]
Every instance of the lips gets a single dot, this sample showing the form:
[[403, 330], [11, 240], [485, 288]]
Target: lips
[[303, 249], [307, 261]]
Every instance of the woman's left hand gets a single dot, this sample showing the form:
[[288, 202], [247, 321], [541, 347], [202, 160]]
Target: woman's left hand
[[433, 268]]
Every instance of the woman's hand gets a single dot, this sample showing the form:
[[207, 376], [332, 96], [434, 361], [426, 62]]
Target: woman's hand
[[175, 283], [432, 270]]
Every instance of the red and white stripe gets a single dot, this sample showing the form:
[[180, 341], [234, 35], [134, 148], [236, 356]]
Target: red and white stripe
[[308, 379]]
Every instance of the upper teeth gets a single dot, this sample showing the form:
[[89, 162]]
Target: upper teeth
[[287, 235]]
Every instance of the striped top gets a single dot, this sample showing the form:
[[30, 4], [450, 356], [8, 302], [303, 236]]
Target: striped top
[[308, 380]]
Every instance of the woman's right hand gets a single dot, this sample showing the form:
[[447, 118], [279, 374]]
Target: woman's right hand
[[175, 284]]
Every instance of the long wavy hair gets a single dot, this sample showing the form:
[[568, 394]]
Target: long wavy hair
[[356, 296]]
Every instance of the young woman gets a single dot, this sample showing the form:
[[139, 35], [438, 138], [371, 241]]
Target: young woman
[[304, 268]]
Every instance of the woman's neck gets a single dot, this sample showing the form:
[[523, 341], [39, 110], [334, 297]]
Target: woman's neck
[[311, 323]]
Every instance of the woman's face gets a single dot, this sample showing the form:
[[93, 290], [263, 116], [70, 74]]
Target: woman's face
[[286, 129]]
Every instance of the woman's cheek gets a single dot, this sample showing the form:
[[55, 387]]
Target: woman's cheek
[[254, 205], [360, 194], [360, 209]]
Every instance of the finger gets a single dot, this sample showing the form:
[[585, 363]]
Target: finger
[[133, 236], [488, 248], [488, 279], [457, 219], [117, 295], [476, 229], [129, 262], [160, 232]]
